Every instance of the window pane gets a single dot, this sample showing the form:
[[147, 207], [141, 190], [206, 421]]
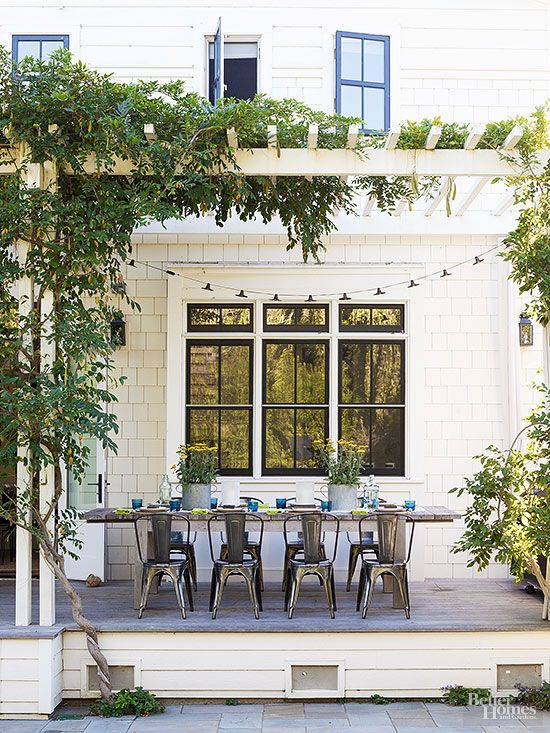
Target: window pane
[[235, 316], [310, 426], [386, 317], [373, 61], [203, 427], [386, 374], [373, 108], [279, 438], [235, 375], [351, 101], [351, 58], [355, 426], [279, 373], [49, 46], [203, 316], [279, 316], [234, 439], [28, 48], [387, 439], [310, 377], [350, 316], [203, 374], [311, 316], [355, 373]]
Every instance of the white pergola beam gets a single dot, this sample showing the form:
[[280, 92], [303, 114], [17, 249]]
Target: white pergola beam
[[438, 198], [312, 136], [504, 205], [272, 136], [353, 136], [369, 205], [432, 137], [513, 138], [232, 139], [400, 208], [392, 139], [149, 132], [472, 194], [474, 136]]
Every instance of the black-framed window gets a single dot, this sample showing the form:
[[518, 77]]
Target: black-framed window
[[295, 405], [363, 78], [37, 46], [220, 317], [219, 401], [240, 70], [295, 317], [371, 402], [366, 318]]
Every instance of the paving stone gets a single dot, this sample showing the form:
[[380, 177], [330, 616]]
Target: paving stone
[[320, 714], [22, 726], [67, 725], [413, 724], [410, 705], [293, 724], [103, 725]]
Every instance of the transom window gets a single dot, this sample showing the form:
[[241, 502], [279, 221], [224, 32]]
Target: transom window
[[388, 318], [295, 409], [219, 317], [296, 318], [38, 47], [219, 401], [362, 78], [371, 397]]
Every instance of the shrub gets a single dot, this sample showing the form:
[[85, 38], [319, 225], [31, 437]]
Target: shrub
[[459, 695], [128, 702], [535, 697]]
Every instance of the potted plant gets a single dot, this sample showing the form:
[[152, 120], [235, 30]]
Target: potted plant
[[508, 519], [343, 466], [196, 470]]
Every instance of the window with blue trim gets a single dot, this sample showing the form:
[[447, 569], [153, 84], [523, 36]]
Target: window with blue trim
[[363, 78], [38, 47]]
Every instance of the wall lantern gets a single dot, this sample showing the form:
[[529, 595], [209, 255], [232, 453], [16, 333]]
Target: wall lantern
[[118, 331], [525, 330]]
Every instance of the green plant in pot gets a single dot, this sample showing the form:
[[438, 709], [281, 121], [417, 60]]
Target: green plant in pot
[[508, 518], [343, 466], [196, 470]]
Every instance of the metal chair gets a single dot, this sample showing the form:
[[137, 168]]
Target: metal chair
[[314, 561], [251, 548], [356, 547], [179, 546], [235, 563], [296, 546], [390, 527], [161, 563]]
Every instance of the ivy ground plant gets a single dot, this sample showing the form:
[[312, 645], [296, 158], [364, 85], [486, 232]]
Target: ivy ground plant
[[508, 518]]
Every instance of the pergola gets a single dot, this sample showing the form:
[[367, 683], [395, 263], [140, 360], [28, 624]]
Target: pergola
[[480, 165]]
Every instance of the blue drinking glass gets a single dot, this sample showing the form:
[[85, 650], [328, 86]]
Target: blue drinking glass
[[326, 505], [410, 505], [252, 506], [280, 503], [213, 503], [137, 503], [175, 505]]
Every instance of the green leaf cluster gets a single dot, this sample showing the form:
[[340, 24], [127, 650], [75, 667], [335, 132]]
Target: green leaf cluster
[[137, 702]]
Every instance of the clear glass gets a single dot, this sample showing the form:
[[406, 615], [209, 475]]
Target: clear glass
[[351, 59], [373, 108], [28, 48], [49, 46], [373, 61], [350, 98]]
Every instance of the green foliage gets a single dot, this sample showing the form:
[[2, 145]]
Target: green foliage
[[508, 518], [197, 464], [137, 702], [535, 697], [379, 700], [343, 465], [231, 701], [458, 695]]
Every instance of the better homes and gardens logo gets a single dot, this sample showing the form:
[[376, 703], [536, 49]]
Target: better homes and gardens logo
[[501, 707]]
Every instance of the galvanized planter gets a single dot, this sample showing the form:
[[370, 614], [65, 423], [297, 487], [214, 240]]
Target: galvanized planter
[[196, 496], [343, 497]]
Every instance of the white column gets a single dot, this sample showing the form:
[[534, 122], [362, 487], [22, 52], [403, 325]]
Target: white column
[[174, 372]]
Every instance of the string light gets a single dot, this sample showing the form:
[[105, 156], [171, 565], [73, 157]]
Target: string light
[[276, 297]]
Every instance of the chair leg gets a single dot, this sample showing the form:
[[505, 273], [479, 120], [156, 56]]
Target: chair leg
[[251, 582], [360, 588], [220, 583], [296, 583], [192, 562], [333, 588], [259, 586], [369, 590], [187, 581], [325, 578], [260, 572], [402, 582], [285, 568], [146, 582], [177, 579], [352, 559], [212, 590], [287, 584]]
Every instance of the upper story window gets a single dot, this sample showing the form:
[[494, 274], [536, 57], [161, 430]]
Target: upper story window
[[219, 317], [363, 78], [240, 70], [37, 46], [386, 318], [296, 318]]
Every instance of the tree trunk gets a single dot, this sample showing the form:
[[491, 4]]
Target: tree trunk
[[544, 583], [85, 624]]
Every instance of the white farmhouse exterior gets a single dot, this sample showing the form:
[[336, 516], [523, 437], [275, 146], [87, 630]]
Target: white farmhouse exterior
[[465, 381]]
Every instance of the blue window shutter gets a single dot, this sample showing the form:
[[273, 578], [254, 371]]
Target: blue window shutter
[[359, 80], [39, 39]]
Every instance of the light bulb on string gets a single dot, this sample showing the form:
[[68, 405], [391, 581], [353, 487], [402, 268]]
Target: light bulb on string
[[275, 298], [310, 299], [379, 291], [446, 274], [413, 284], [241, 294], [345, 296], [478, 260], [208, 287]]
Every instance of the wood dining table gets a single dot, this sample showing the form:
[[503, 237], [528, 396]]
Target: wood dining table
[[348, 521]]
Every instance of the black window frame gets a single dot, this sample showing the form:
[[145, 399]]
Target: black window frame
[[292, 327], [402, 406], [365, 328], [220, 327], [294, 406], [220, 407]]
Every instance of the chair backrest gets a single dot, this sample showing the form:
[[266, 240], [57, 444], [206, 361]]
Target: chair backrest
[[235, 528], [311, 534], [161, 526], [388, 528]]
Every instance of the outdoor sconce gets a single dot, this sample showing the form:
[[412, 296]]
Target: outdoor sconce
[[525, 330], [118, 331]]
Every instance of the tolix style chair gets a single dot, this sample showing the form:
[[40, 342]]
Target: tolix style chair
[[161, 562], [314, 561], [390, 527], [179, 545], [234, 561], [294, 547], [357, 549]]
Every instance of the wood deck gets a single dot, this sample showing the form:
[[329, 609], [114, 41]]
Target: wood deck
[[437, 606]]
